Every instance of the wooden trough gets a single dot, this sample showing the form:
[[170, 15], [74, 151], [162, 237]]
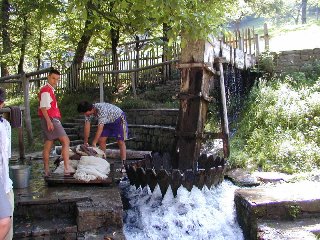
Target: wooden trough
[[156, 168]]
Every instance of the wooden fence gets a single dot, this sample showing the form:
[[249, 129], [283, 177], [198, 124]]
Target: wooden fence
[[247, 40], [153, 61]]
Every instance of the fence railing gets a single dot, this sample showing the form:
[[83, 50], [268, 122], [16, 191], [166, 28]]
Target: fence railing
[[248, 41], [82, 77]]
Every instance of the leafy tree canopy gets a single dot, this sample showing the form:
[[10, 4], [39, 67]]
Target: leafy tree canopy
[[55, 28]]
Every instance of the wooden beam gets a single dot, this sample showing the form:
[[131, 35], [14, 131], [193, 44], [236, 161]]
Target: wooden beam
[[225, 123], [136, 69], [26, 100], [207, 66]]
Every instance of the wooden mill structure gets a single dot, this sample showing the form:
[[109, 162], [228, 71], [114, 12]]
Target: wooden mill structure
[[202, 68]]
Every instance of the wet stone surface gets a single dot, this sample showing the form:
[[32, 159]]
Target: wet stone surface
[[281, 204], [66, 211]]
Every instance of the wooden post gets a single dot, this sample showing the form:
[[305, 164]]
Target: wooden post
[[224, 119], [132, 74], [266, 37], [249, 41], [240, 46], [100, 77], [27, 115], [137, 60], [257, 52], [21, 143], [194, 92]]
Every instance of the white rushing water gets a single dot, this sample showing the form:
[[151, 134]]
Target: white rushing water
[[199, 214]]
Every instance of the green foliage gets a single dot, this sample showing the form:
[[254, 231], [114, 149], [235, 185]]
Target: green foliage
[[171, 104], [266, 64], [157, 95], [130, 103], [294, 211], [55, 28], [280, 126], [213, 120], [312, 70]]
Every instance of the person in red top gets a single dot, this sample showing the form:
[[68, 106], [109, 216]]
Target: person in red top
[[52, 128]]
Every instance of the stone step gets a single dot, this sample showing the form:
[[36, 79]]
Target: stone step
[[73, 137], [68, 213], [287, 201], [71, 130], [70, 125], [57, 228], [308, 228], [79, 119], [76, 142]]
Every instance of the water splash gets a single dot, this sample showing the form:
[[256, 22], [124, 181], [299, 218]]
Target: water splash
[[199, 214]]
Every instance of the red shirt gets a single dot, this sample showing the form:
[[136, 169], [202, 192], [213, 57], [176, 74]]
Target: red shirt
[[53, 111]]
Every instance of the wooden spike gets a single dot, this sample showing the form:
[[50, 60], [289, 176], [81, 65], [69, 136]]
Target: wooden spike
[[131, 173], [176, 181], [200, 178], [141, 177], [202, 161], [188, 179], [163, 180], [151, 179]]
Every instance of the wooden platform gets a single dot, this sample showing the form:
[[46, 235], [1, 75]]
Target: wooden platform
[[55, 179]]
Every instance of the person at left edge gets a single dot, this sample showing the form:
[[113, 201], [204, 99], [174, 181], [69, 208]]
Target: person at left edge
[[6, 190]]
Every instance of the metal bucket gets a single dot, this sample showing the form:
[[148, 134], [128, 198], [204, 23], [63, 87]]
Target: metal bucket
[[20, 175]]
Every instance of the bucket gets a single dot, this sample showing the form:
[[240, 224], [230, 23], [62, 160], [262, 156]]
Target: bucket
[[20, 175]]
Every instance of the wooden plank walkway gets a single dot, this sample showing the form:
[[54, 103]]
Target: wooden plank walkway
[[54, 179]]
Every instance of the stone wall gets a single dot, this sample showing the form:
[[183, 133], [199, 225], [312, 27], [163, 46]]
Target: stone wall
[[163, 117], [152, 138], [288, 61], [152, 129]]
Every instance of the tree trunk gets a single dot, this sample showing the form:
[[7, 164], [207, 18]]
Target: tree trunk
[[83, 43], [296, 20], [23, 45], [165, 56], [38, 57], [73, 78], [115, 61], [6, 46], [304, 11]]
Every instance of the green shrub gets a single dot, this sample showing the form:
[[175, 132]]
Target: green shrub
[[266, 63], [280, 126], [312, 70], [130, 103]]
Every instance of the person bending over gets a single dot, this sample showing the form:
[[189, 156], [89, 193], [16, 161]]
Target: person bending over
[[111, 123]]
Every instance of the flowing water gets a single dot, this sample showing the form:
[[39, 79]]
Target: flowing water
[[199, 214]]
